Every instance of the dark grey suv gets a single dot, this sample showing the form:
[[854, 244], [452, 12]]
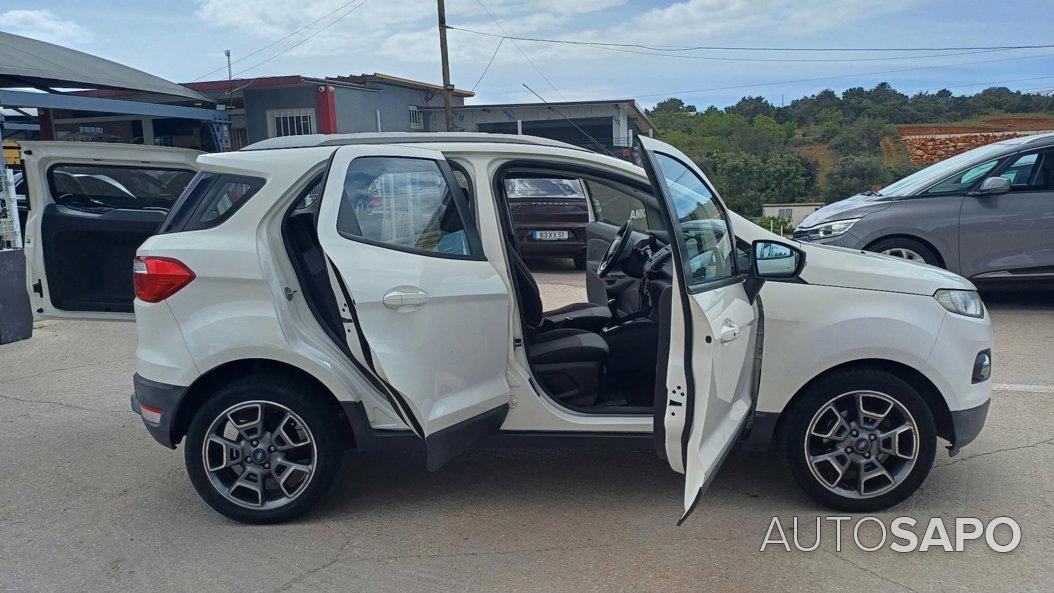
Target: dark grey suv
[[986, 214]]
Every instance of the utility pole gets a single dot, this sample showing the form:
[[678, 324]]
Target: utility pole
[[448, 107], [227, 53]]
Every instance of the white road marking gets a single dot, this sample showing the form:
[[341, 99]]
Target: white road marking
[[1023, 388]]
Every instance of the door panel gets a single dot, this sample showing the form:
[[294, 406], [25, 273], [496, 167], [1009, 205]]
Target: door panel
[[430, 323], [1011, 234], [713, 325], [92, 206]]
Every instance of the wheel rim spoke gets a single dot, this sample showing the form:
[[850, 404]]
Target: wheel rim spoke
[[249, 482], [832, 425], [871, 470], [284, 472], [894, 442], [287, 437], [248, 421], [221, 453], [825, 463], [872, 410]]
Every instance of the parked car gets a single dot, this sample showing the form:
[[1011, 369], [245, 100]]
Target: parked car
[[549, 214], [276, 331], [987, 214]]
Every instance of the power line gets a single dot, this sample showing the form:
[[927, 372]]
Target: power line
[[673, 48], [304, 40], [841, 76], [487, 67], [528, 58], [274, 43], [569, 120]]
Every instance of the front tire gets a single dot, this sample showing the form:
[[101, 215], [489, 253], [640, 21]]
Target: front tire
[[859, 440], [908, 249], [263, 449]]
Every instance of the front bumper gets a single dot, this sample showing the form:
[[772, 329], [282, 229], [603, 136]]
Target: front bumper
[[162, 398], [966, 425]]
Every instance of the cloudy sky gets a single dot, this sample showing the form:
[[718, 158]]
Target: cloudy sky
[[183, 40]]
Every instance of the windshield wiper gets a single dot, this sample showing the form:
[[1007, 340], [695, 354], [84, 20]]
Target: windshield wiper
[[871, 192]]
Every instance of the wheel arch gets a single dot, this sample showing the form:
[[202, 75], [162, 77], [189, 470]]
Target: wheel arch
[[199, 390], [930, 394], [929, 244]]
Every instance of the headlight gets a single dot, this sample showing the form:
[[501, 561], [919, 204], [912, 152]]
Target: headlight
[[963, 302], [825, 230]]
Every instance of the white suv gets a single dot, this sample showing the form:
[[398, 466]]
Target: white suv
[[314, 294]]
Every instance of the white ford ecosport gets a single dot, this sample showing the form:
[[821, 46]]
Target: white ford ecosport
[[312, 294]]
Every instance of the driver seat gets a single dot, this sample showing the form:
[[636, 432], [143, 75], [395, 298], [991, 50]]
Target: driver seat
[[587, 316]]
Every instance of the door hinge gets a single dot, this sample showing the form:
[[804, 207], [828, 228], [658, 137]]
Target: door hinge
[[289, 293], [517, 342], [38, 288], [512, 402]]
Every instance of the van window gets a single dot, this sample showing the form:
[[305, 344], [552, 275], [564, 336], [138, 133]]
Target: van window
[[107, 187], [1031, 172]]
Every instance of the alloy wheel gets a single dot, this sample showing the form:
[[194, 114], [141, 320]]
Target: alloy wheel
[[862, 444], [905, 253], [259, 455]]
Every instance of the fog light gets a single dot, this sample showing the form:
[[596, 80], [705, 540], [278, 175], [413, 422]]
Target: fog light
[[151, 415], [982, 366]]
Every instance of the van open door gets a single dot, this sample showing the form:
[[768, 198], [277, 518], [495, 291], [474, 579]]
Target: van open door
[[713, 324], [91, 206]]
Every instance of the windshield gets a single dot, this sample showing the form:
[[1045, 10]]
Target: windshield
[[916, 182], [539, 187]]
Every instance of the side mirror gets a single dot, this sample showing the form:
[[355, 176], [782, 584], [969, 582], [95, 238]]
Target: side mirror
[[773, 259], [994, 186]]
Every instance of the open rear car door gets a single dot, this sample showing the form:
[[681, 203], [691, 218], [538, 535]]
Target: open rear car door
[[90, 208], [713, 324], [426, 316]]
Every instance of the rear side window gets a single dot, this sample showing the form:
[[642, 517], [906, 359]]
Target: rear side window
[[409, 204], [209, 200], [107, 187]]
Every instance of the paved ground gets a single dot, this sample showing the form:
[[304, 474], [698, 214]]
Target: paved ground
[[89, 502]]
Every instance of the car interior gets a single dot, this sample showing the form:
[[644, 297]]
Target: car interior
[[599, 356]]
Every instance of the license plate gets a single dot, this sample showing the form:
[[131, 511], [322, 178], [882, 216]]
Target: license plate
[[550, 235]]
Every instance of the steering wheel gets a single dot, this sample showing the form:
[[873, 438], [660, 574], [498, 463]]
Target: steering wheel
[[619, 249]]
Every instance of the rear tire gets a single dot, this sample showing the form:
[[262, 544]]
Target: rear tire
[[830, 469], [580, 263], [906, 248], [299, 442]]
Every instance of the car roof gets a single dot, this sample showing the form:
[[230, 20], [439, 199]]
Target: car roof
[[1030, 140], [313, 140]]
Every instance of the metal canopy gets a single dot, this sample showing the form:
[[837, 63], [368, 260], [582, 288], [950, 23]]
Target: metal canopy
[[80, 103], [26, 62]]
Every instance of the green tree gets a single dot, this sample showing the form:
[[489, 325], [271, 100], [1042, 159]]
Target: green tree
[[852, 175]]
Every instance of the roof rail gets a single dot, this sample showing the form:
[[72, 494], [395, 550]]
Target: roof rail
[[313, 140]]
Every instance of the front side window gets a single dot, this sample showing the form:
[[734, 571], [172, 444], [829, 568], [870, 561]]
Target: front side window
[[702, 221], [405, 203], [1031, 172], [615, 204], [99, 187], [962, 181]]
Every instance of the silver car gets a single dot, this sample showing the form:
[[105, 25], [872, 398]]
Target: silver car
[[986, 214]]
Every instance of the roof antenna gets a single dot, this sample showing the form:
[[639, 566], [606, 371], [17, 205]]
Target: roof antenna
[[584, 133]]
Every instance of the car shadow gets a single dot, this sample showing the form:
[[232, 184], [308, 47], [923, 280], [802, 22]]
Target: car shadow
[[1040, 297]]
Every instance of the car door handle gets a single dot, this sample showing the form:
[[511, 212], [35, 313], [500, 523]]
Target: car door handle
[[729, 331], [405, 299]]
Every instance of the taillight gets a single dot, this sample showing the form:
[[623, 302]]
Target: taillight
[[157, 278]]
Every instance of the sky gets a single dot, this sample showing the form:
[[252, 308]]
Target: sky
[[183, 40]]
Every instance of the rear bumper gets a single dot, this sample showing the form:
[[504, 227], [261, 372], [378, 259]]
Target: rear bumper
[[966, 425], [158, 397]]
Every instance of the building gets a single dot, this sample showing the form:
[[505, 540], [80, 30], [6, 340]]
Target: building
[[271, 106], [602, 126], [794, 212]]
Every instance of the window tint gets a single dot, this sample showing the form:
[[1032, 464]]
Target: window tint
[[403, 203], [703, 223], [109, 187], [613, 204], [224, 197], [963, 180], [1031, 172]]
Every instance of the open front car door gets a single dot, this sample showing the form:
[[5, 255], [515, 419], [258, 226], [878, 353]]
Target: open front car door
[[426, 316], [714, 338]]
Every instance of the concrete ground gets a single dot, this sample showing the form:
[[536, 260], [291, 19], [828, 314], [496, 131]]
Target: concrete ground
[[90, 503]]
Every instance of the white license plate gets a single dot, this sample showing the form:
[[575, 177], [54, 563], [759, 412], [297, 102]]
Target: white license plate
[[550, 235]]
